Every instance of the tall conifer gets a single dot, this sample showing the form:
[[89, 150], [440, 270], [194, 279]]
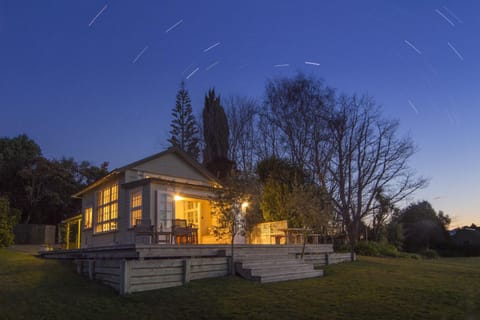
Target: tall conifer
[[184, 130]]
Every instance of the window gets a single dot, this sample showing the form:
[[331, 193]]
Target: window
[[88, 218], [107, 209], [135, 207]]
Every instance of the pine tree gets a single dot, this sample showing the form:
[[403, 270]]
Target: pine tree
[[184, 130]]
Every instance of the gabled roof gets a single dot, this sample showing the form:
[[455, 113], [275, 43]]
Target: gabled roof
[[173, 150]]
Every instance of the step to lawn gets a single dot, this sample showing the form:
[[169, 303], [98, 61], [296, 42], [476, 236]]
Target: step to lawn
[[274, 270], [268, 263], [291, 276], [273, 267]]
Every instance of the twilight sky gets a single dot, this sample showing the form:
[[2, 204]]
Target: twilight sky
[[96, 80]]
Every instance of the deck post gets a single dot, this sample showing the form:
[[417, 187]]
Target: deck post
[[124, 277], [91, 269], [230, 265], [187, 264], [79, 264], [79, 224], [327, 258], [67, 246]]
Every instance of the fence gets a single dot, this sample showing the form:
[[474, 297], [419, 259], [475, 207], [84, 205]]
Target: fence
[[34, 234]]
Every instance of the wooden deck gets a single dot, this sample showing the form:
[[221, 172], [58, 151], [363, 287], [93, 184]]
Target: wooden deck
[[134, 268], [179, 251]]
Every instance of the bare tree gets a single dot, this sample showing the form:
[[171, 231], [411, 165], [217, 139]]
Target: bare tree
[[362, 156], [297, 109], [242, 118], [268, 141]]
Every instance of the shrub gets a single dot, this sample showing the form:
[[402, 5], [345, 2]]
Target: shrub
[[367, 248], [342, 248], [380, 249], [388, 250], [429, 254], [409, 255], [8, 219]]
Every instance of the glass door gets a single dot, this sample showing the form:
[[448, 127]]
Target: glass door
[[192, 213]]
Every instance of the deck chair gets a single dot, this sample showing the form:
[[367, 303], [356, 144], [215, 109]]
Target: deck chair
[[181, 234]]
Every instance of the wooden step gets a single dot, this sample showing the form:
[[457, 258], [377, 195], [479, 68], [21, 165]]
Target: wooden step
[[262, 257], [260, 264], [273, 270], [291, 276], [273, 266]]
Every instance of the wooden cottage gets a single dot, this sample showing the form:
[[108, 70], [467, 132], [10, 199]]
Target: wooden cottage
[[163, 198], [135, 218]]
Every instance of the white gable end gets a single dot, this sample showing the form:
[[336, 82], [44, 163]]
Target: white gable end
[[170, 165]]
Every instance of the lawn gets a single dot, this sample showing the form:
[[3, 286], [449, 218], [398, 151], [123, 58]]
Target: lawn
[[372, 288]]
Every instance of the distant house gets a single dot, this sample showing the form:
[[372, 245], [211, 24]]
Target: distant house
[[150, 196], [466, 236]]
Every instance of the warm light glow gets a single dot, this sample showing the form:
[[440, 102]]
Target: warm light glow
[[107, 209], [135, 207], [88, 217], [178, 198], [244, 205]]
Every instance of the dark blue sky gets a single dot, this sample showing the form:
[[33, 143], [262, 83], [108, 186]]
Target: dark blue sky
[[89, 92]]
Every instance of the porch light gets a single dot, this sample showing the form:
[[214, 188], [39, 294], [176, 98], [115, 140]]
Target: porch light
[[178, 198]]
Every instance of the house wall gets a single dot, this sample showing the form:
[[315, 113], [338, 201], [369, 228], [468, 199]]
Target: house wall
[[88, 200], [169, 165], [120, 236]]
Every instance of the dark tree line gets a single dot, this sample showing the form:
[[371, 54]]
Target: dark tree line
[[42, 188], [422, 228]]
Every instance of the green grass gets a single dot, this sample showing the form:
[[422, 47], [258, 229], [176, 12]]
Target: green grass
[[372, 288]]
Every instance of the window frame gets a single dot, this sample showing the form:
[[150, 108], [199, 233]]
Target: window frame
[[134, 208], [106, 210]]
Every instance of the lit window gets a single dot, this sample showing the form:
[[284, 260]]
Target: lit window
[[135, 207], [107, 209], [88, 218]]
